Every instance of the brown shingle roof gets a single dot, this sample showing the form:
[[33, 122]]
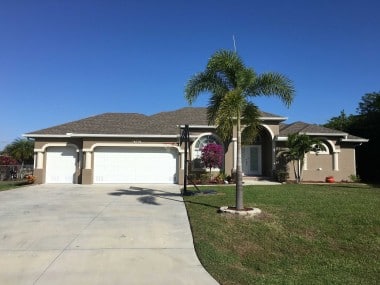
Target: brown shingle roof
[[302, 127], [164, 123]]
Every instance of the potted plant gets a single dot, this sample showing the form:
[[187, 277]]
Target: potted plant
[[30, 179], [330, 179]]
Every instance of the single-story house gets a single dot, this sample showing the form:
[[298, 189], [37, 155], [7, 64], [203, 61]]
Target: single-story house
[[135, 148]]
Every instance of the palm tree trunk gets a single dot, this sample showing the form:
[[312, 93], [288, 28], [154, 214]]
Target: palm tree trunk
[[299, 171], [239, 173], [301, 167]]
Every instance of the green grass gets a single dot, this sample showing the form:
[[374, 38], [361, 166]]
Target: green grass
[[307, 234], [7, 185]]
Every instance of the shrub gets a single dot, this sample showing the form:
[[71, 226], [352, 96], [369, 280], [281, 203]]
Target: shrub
[[355, 178], [280, 175]]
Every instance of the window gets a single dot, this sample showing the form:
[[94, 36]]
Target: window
[[201, 142], [318, 151]]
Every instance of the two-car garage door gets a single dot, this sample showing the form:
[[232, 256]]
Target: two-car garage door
[[134, 165]]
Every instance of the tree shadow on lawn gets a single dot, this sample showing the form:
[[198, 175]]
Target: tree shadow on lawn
[[203, 204], [147, 195]]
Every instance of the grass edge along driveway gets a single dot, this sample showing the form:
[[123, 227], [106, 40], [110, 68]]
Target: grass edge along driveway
[[9, 185], [307, 234]]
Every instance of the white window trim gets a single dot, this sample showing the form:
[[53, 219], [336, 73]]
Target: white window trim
[[321, 152]]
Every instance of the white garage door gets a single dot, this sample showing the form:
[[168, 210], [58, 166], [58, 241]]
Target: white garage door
[[134, 165], [60, 164]]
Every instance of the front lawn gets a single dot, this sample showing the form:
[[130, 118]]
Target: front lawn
[[6, 185], [307, 234]]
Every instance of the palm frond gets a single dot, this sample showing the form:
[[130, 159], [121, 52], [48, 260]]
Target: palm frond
[[251, 114], [251, 121], [273, 84], [230, 106], [224, 130], [245, 78], [200, 82], [213, 107], [226, 64]]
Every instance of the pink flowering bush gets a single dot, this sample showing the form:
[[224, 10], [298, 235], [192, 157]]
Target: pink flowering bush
[[212, 155], [7, 160]]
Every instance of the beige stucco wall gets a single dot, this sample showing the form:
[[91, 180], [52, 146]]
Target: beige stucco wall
[[318, 167], [273, 127], [229, 159], [347, 164]]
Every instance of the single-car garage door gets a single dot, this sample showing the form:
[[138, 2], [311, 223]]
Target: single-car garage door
[[134, 165], [60, 164]]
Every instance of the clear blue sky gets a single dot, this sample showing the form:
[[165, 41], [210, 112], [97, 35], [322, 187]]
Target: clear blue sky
[[65, 60]]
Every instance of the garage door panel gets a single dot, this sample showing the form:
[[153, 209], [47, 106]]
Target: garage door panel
[[134, 165], [60, 164]]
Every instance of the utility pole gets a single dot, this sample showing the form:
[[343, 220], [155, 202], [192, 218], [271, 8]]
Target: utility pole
[[185, 137]]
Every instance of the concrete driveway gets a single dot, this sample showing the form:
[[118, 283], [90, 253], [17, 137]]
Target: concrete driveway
[[85, 234]]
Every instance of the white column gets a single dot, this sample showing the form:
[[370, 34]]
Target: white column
[[336, 161], [35, 160], [305, 162], [88, 160], [40, 160], [182, 160], [80, 159], [273, 155], [234, 141]]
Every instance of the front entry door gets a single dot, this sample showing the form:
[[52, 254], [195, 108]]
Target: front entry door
[[251, 159]]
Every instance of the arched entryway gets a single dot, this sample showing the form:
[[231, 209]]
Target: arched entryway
[[257, 155]]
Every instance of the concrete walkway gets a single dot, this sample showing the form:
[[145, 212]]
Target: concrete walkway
[[112, 234], [259, 182]]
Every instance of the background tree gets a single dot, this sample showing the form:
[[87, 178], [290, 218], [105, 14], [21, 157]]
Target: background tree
[[341, 122], [367, 125], [298, 145], [370, 104], [20, 149], [232, 85], [212, 156]]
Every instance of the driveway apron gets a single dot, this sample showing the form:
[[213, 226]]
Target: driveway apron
[[90, 234]]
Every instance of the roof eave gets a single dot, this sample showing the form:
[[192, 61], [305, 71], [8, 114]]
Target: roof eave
[[46, 136], [281, 138], [325, 134], [355, 140], [280, 119], [74, 135], [198, 126]]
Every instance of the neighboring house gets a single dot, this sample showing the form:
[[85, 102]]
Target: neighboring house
[[135, 148]]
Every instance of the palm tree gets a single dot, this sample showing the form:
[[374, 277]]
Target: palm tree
[[298, 145], [20, 149], [232, 85]]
